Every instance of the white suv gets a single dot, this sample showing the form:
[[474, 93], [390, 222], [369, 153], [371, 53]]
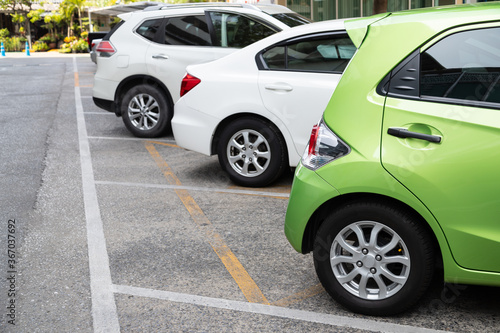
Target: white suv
[[141, 62]]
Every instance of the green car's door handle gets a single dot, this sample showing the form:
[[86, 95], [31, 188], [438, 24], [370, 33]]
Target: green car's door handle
[[404, 133]]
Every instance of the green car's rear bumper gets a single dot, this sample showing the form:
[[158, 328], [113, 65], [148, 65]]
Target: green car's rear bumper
[[309, 191]]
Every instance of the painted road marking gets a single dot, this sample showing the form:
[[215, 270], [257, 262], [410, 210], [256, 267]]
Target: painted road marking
[[198, 188], [276, 311], [104, 312], [300, 296], [165, 142], [247, 285]]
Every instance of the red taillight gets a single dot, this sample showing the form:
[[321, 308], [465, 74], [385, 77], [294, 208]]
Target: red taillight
[[313, 139], [105, 47], [188, 83]]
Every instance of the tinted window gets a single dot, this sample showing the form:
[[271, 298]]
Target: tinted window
[[149, 28], [233, 30], [326, 54], [188, 30], [291, 19], [465, 65]]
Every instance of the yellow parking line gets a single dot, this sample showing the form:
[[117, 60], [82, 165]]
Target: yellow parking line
[[247, 285], [77, 80], [300, 296], [164, 144]]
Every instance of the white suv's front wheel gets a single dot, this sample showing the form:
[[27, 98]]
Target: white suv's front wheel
[[146, 111]]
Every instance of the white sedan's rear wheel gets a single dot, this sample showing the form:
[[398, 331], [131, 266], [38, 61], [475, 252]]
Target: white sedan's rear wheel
[[252, 152]]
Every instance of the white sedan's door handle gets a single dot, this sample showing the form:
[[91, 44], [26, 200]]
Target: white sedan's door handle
[[160, 56], [279, 87]]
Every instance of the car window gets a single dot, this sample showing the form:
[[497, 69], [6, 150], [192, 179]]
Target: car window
[[465, 65], [233, 30], [187, 30], [291, 19], [149, 28], [329, 53]]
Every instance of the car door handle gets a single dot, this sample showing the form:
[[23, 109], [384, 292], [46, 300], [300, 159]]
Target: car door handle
[[160, 56], [278, 86], [404, 133]]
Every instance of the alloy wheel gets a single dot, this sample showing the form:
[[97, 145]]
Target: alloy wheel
[[370, 260], [143, 111], [248, 153]]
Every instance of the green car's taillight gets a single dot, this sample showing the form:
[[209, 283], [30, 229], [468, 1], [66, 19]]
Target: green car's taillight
[[324, 146]]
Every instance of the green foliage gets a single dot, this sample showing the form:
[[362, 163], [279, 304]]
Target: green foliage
[[47, 39], [13, 44], [74, 45], [18, 18], [35, 15], [4, 33], [40, 46]]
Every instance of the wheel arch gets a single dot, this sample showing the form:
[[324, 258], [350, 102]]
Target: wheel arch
[[323, 211], [233, 117], [135, 80]]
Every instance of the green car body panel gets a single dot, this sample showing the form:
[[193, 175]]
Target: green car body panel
[[456, 193]]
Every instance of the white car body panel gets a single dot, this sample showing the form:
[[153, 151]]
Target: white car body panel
[[233, 85], [110, 72], [168, 62], [298, 100]]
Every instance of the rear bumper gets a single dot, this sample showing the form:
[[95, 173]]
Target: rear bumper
[[105, 104], [309, 192], [192, 129]]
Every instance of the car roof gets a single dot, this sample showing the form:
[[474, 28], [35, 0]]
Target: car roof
[[422, 23], [187, 7]]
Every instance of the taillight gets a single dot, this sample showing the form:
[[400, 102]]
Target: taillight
[[324, 147], [105, 48], [188, 83], [312, 140]]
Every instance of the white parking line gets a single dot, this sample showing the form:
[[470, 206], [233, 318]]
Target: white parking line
[[104, 313], [129, 139], [103, 113], [276, 311], [197, 188]]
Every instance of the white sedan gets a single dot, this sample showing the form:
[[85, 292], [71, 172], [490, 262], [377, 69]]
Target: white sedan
[[255, 108]]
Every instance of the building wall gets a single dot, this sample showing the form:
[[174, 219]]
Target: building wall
[[320, 10]]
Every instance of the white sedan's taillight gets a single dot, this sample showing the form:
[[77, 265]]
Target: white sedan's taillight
[[105, 49], [324, 147], [188, 82]]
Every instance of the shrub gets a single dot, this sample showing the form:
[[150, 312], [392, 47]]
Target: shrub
[[40, 46], [13, 44], [71, 44], [4, 33]]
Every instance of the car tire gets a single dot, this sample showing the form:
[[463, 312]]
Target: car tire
[[146, 111], [247, 163], [374, 259]]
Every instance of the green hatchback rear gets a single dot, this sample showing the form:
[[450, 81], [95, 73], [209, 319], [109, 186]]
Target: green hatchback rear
[[402, 173]]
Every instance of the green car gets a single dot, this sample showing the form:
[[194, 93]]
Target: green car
[[402, 174]]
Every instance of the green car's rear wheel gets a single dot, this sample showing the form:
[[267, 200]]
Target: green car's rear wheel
[[374, 259]]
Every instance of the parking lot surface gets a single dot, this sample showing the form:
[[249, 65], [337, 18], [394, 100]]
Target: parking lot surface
[[137, 235]]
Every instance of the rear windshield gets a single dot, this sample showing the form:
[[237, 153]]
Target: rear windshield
[[291, 19]]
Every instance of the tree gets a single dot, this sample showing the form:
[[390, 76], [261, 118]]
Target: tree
[[19, 10], [68, 9]]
